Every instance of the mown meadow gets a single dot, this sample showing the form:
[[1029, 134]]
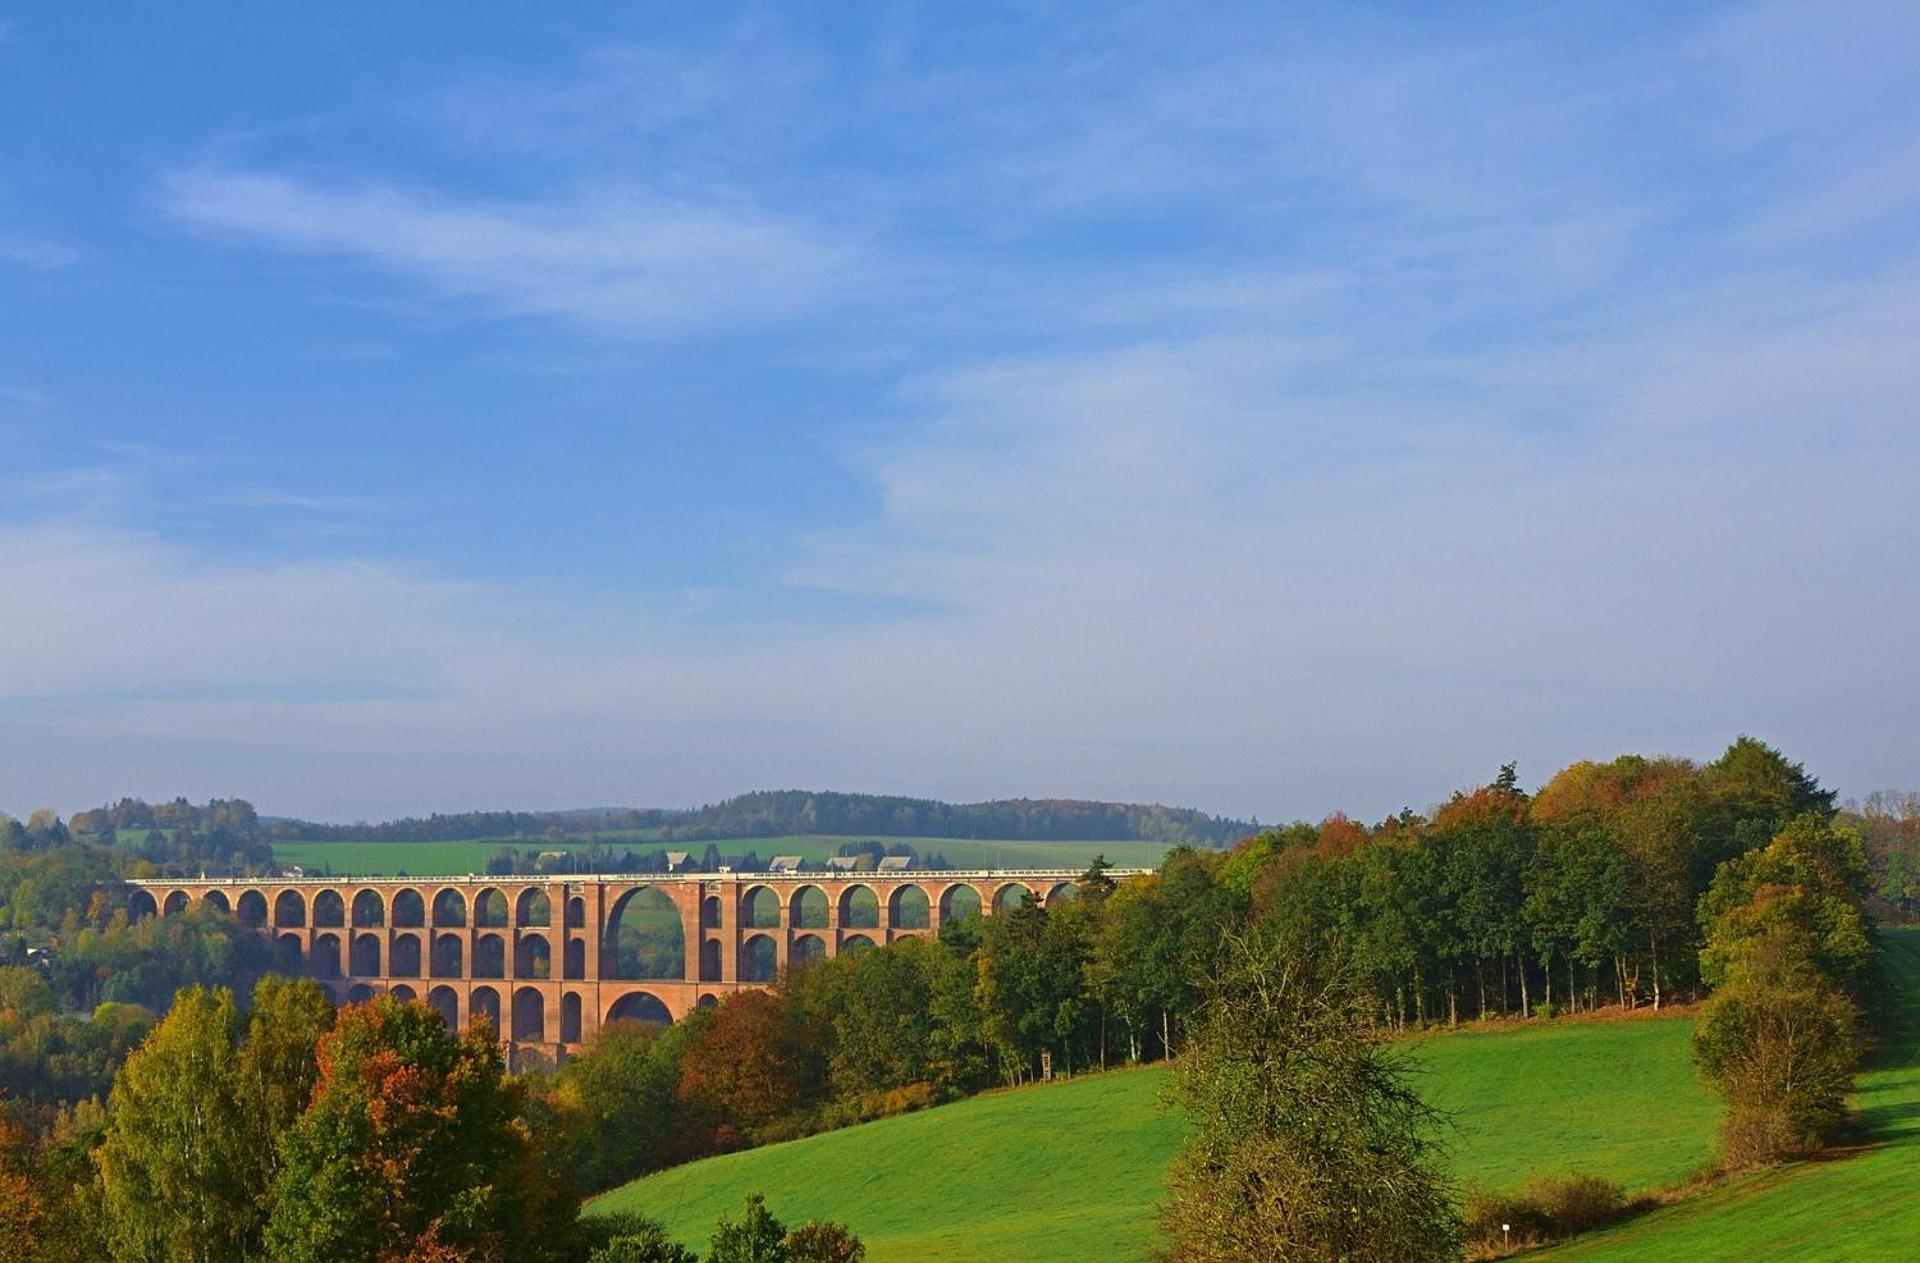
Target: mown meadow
[[1072, 1170]]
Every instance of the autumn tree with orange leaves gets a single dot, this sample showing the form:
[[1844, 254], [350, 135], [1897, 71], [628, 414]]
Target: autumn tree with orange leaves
[[414, 1148]]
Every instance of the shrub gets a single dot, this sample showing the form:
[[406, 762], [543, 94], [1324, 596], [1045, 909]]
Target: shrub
[[1545, 1208]]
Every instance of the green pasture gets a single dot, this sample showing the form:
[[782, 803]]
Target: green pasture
[[1072, 1170], [1862, 1204], [385, 859]]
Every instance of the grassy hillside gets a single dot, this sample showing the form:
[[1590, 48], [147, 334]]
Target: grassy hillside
[[376, 859], [1071, 1171], [1863, 1205]]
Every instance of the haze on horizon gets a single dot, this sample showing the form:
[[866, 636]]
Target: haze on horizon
[[406, 411]]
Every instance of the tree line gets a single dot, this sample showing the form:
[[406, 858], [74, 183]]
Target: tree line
[[777, 813]]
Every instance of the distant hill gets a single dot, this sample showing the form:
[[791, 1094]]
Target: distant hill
[[778, 813]]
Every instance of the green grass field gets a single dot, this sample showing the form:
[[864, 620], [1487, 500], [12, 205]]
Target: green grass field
[[381, 859], [1864, 1204], [1071, 1171]]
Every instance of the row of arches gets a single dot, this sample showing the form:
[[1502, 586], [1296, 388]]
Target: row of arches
[[532, 957], [761, 907], [407, 908], [527, 1012]]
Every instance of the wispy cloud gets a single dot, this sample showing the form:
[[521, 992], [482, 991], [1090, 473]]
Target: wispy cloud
[[35, 254], [618, 261]]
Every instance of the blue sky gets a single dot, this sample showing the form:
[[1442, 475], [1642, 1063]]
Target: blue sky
[[1269, 409]]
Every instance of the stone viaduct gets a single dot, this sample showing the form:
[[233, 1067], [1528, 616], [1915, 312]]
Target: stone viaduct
[[549, 960]]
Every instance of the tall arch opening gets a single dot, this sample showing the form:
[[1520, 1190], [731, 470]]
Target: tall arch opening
[[1010, 896], [760, 909], [447, 1005], [484, 1005], [535, 909], [859, 909], [369, 909], [366, 956], [450, 908], [288, 954], [758, 959], [140, 906], [490, 909], [959, 903], [409, 910], [809, 909], [529, 1014], [710, 960], [326, 956], [404, 961], [289, 909], [176, 903], [489, 957], [448, 956], [532, 958], [218, 899], [252, 909], [807, 948], [404, 994], [911, 910], [329, 909], [645, 938], [570, 1018], [855, 944]]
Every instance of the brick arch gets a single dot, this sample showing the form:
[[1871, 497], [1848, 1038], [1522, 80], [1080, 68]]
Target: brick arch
[[175, 903], [289, 953], [359, 993], [369, 909], [909, 908], [854, 944], [759, 958], [960, 899], [251, 909], [446, 1002], [806, 949], [757, 913], [403, 993], [329, 909], [217, 899], [449, 953], [490, 909], [449, 908], [532, 907], [804, 913], [489, 956], [529, 1014], [570, 1018], [409, 908], [637, 943], [859, 913], [639, 1006], [532, 958], [324, 955], [1065, 892], [141, 905], [289, 910], [364, 956], [1005, 899], [403, 960], [484, 1002]]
